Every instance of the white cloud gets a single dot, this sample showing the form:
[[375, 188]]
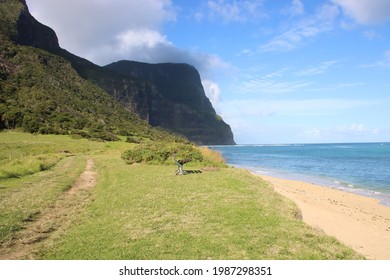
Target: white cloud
[[387, 55], [366, 11], [322, 21], [212, 91], [372, 34], [296, 9], [274, 82], [316, 70], [145, 45], [105, 31], [341, 133], [229, 12], [292, 107], [90, 23], [262, 120], [315, 120], [337, 86], [245, 52], [251, 132], [234, 11], [384, 63], [141, 38], [199, 16], [263, 86], [357, 128], [279, 43]]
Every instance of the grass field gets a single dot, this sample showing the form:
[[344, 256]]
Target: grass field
[[146, 212]]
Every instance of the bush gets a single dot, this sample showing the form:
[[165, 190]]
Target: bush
[[133, 139], [212, 158], [162, 153], [105, 135], [77, 134]]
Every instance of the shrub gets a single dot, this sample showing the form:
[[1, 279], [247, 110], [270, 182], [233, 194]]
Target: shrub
[[104, 135], [77, 134], [212, 158], [133, 139], [161, 153]]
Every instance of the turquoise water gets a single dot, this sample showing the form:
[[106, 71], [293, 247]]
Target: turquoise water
[[362, 168]]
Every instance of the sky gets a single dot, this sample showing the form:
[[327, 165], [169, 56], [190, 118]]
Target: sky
[[285, 71]]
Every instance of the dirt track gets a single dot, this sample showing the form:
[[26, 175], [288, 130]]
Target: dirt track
[[37, 230]]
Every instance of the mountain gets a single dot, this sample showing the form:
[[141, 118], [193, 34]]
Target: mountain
[[180, 103], [167, 95], [41, 92]]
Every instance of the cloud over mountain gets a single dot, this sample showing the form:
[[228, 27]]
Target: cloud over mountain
[[105, 31], [117, 30]]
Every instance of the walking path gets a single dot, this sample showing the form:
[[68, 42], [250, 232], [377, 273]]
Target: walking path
[[27, 242]]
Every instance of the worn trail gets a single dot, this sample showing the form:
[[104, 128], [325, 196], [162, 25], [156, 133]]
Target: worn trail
[[38, 229]]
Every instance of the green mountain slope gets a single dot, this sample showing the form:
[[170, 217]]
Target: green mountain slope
[[42, 92]]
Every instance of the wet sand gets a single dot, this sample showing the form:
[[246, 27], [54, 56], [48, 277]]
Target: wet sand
[[357, 221]]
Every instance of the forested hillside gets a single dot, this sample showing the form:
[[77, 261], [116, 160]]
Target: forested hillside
[[42, 93], [47, 89]]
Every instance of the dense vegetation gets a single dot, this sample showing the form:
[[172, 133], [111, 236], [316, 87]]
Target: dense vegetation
[[41, 92], [161, 153]]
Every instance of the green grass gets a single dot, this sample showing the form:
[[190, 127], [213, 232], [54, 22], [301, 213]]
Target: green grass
[[34, 171], [146, 212], [22, 200], [21, 155]]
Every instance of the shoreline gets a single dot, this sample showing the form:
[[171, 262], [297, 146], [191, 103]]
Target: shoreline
[[357, 221], [380, 195]]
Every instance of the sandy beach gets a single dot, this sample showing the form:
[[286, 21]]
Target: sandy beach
[[357, 221]]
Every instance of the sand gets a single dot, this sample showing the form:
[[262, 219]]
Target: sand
[[357, 221]]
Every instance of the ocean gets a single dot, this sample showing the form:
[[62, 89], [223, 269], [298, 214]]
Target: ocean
[[362, 168]]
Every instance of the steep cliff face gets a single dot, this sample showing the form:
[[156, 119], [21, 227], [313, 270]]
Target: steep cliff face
[[177, 100], [178, 83], [33, 33], [22, 28], [166, 95]]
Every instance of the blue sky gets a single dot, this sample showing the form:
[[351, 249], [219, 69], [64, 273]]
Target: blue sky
[[286, 71]]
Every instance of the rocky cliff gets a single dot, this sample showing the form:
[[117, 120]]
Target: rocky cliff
[[175, 100], [168, 95]]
